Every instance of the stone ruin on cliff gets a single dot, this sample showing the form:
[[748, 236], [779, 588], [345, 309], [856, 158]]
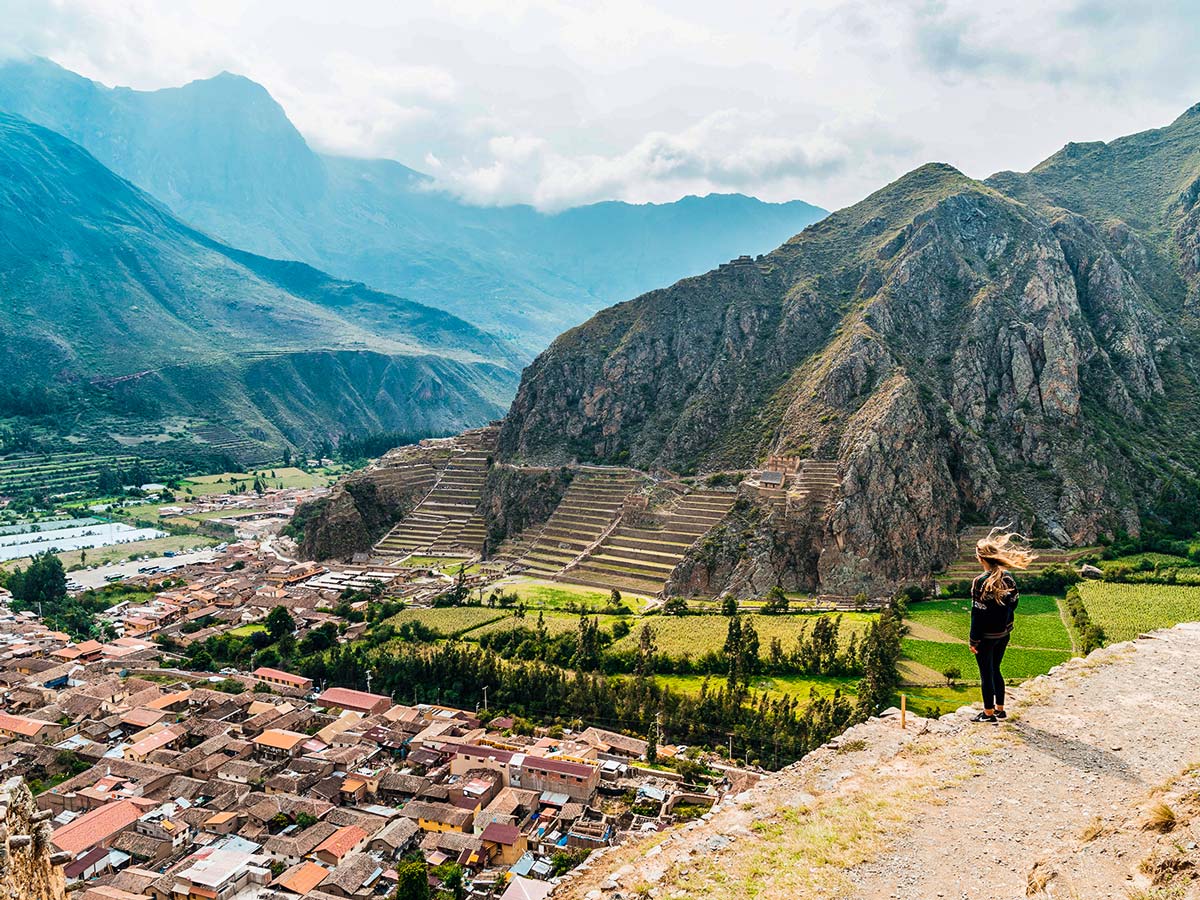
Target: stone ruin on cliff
[[30, 869]]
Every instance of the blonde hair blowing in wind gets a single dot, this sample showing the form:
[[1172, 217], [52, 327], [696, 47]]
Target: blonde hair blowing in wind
[[999, 551]]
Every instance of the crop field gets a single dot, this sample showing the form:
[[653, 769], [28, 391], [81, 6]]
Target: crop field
[[677, 636], [939, 629], [555, 595], [281, 476], [1019, 662], [1126, 610], [774, 686], [60, 474], [556, 623], [451, 621]]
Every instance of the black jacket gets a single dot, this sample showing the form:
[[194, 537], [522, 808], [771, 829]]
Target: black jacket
[[989, 617]]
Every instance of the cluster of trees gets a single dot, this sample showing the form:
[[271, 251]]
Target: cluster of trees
[[277, 645], [771, 731], [42, 588], [819, 649]]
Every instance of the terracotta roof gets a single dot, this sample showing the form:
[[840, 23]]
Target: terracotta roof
[[348, 699], [22, 724], [302, 877], [96, 826], [279, 739], [268, 672], [342, 841]]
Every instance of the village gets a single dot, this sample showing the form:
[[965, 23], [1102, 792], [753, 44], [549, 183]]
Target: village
[[163, 783]]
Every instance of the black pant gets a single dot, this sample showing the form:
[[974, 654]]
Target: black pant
[[991, 652]]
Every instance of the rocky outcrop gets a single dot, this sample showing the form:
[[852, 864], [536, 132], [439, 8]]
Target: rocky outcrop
[[30, 869], [756, 547], [1008, 351], [361, 508], [517, 499]]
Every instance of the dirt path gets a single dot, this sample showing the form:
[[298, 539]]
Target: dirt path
[[1088, 745], [946, 809]]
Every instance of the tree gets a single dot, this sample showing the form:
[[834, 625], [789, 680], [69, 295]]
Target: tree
[[951, 674], [652, 741], [880, 653], [280, 622], [643, 666], [729, 605], [614, 598], [675, 606], [411, 881], [44, 582], [587, 649], [777, 602]]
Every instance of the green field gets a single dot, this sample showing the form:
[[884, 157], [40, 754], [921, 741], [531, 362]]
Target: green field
[[1126, 610], [247, 630], [451, 621], [280, 476], [939, 630], [1038, 622], [1019, 662], [677, 636], [798, 686], [557, 595]]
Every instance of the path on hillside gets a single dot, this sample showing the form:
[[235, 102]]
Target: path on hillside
[[1095, 742], [946, 809]]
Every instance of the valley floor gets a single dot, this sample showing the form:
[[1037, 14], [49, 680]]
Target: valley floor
[[1054, 803]]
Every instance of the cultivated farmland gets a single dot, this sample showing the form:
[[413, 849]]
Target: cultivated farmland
[[1126, 610]]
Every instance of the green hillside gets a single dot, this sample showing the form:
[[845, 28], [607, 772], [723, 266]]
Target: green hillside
[[222, 155], [118, 318]]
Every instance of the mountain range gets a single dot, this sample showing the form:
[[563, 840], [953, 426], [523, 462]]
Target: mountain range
[[119, 318], [223, 156], [1019, 349]]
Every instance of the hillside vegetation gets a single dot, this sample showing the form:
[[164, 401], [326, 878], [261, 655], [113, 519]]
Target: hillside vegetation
[[1016, 350], [117, 317]]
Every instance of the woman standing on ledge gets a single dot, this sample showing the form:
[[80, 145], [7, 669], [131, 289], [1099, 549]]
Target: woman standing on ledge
[[994, 601]]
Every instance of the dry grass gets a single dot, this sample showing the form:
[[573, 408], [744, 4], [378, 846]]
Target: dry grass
[[1092, 830], [1160, 818], [1039, 876]]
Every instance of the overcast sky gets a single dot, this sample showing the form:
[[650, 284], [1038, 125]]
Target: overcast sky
[[565, 103]]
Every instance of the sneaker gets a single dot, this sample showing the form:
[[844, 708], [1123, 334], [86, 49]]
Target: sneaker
[[984, 717], [1001, 714]]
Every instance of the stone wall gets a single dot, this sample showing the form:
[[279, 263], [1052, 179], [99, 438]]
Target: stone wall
[[29, 867]]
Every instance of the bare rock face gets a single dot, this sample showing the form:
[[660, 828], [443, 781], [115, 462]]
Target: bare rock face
[[26, 869], [754, 549], [363, 506], [1016, 351], [516, 499]]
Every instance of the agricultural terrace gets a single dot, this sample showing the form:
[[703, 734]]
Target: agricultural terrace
[[1126, 610]]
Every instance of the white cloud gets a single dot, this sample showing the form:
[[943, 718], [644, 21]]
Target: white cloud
[[557, 102]]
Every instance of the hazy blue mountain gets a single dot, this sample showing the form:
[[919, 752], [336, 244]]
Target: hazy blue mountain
[[117, 317], [224, 156]]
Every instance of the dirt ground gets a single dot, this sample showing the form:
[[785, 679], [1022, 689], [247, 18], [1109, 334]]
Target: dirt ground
[[1063, 801]]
